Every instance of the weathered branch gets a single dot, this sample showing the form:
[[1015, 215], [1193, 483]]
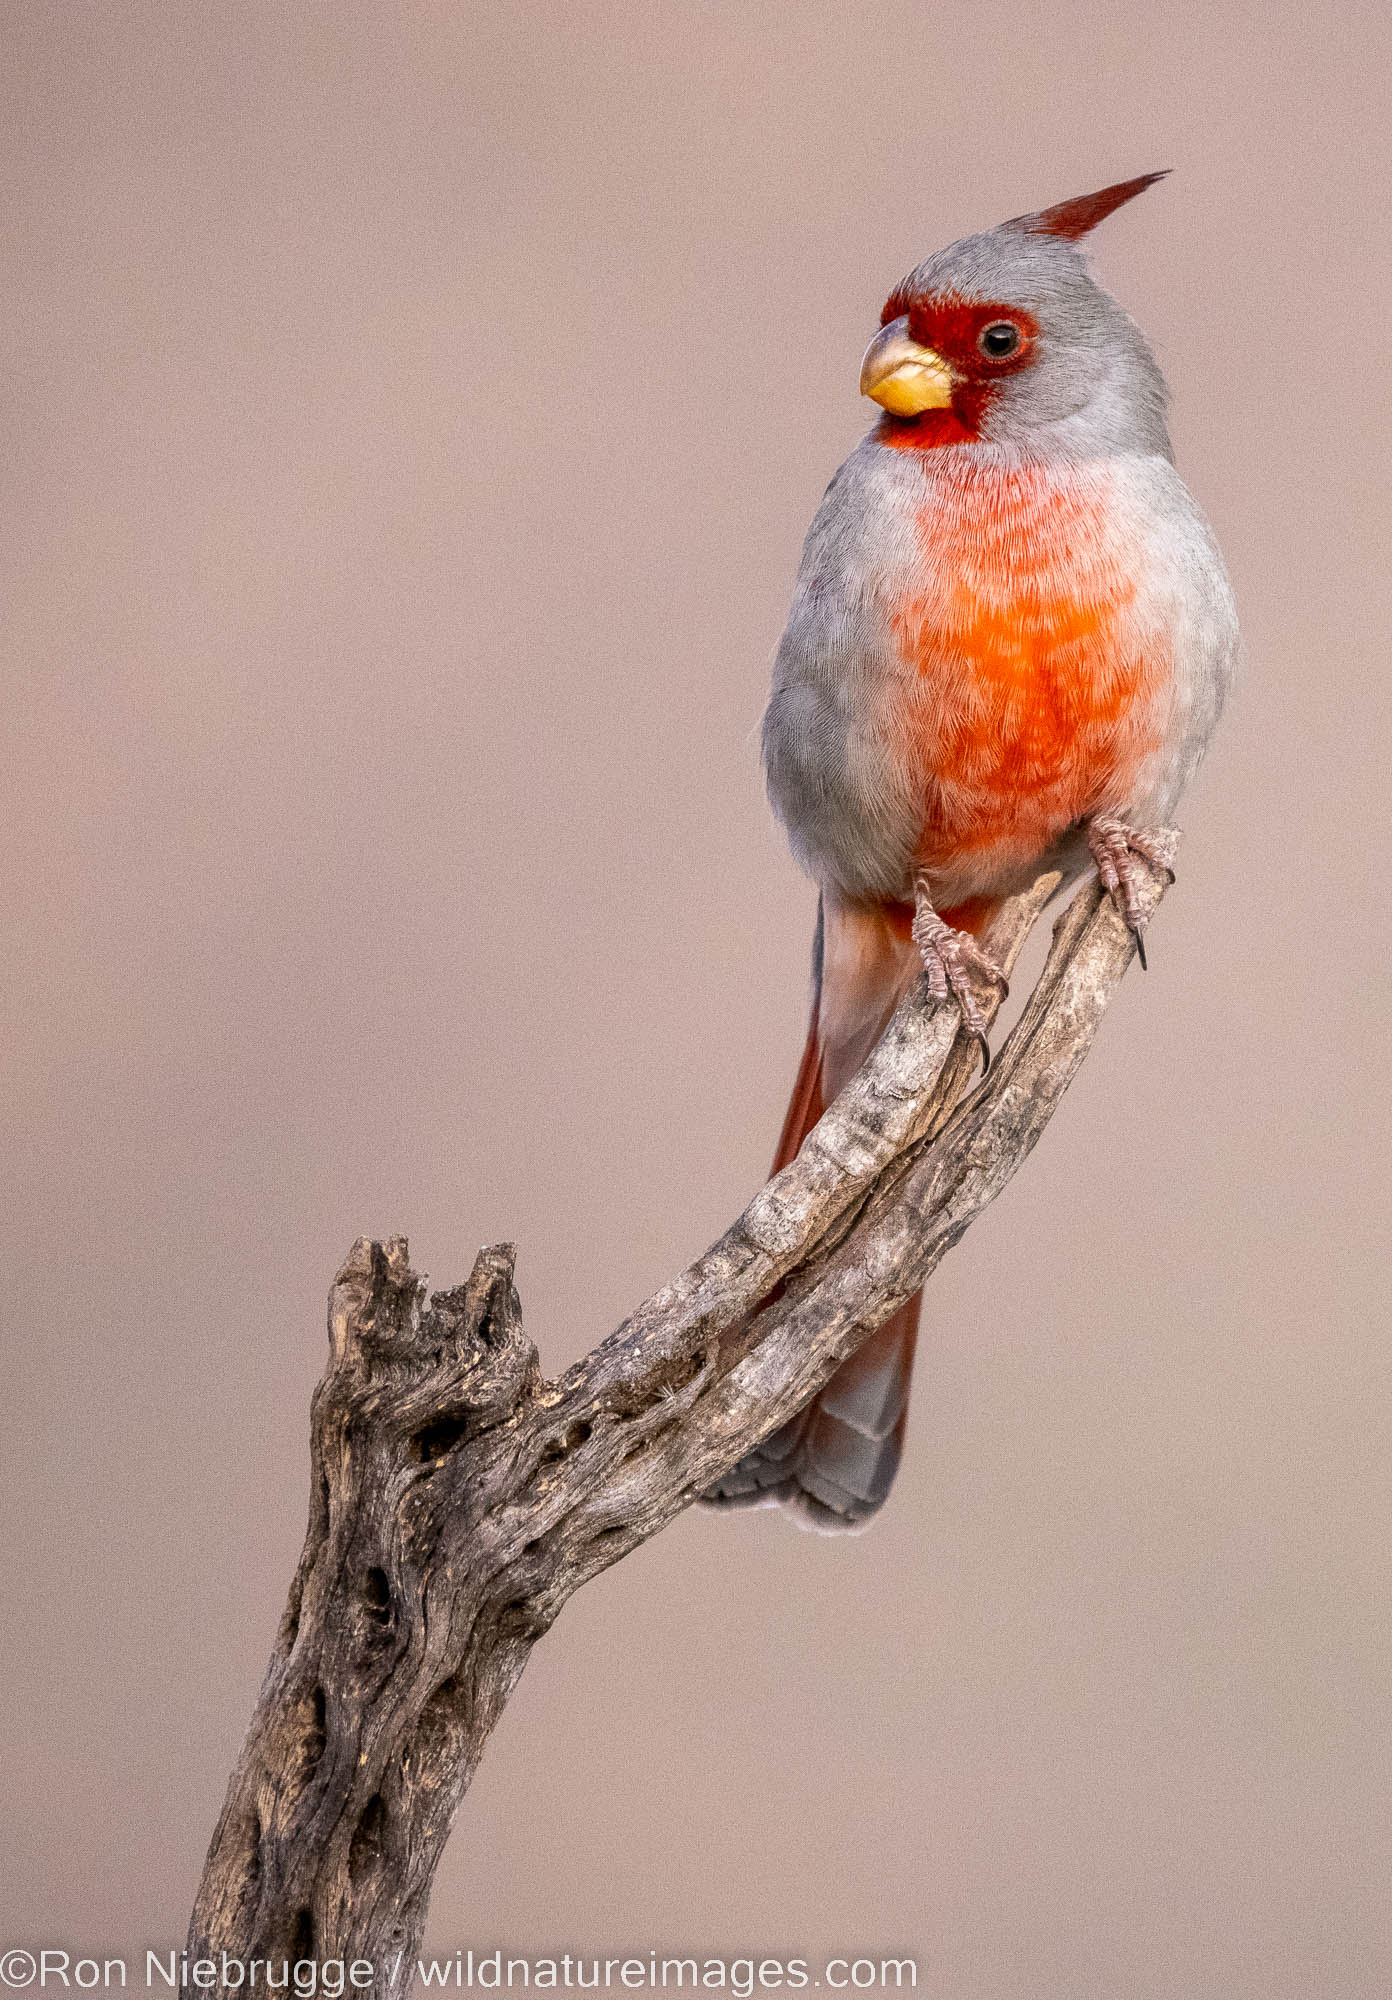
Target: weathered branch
[[459, 1498]]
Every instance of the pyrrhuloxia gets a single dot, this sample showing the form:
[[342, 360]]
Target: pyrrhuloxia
[[1010, 639]]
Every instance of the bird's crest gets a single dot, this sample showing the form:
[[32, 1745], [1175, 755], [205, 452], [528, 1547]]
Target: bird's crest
[[1073, 219]]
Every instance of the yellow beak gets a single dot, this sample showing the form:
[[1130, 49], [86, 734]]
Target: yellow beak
[[903, 377]]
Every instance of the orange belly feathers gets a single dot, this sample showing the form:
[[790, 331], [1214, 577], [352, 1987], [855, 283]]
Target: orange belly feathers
[[1037, 696]]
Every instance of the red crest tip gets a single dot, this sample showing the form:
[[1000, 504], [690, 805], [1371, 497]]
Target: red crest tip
[[1073, 219]]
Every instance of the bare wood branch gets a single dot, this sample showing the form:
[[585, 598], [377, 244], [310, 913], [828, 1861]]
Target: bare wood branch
[[459, 1498]]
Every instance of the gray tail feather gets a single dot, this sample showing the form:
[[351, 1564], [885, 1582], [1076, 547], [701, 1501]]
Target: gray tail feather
[[833, 1464]]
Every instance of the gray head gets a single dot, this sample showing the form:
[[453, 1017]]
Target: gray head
[[1006, 338]]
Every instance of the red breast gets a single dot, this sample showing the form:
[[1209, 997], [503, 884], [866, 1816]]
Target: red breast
[[1037, 692]]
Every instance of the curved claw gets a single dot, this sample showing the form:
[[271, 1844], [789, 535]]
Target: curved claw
[[954, 960], [1120, 852]]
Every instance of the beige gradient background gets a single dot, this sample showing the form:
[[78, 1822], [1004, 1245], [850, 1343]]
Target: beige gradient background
[[412, 415]]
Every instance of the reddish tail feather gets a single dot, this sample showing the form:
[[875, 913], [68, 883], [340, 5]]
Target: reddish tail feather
[[834, 1463]]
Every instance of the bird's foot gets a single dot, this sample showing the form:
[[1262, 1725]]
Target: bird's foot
[[956, 966], [1126, 856]]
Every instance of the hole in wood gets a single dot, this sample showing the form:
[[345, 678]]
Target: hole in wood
[[248, 1876], [517, 1620], [311, 1735], [377, 1597], [437, 1440], [570, 1439], [491, 1331], [365, 1848], [440, 1717]]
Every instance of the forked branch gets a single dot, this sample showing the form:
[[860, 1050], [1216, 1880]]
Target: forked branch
[[459, 1498]]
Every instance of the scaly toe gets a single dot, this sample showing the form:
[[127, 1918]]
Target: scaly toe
[[1125, 856], [954, 961], [1155, 851]]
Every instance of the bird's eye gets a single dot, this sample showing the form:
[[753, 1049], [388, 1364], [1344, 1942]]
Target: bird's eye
[[1000, 338]]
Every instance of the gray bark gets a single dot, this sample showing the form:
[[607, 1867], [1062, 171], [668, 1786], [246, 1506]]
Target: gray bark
[[458, 1497]]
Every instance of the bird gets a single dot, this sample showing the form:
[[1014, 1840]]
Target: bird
[[1010, 638]]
